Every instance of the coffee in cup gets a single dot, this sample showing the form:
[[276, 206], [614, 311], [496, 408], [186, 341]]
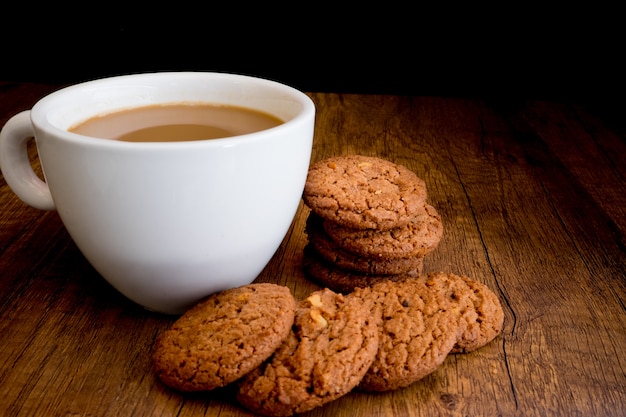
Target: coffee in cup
[[175, 122]]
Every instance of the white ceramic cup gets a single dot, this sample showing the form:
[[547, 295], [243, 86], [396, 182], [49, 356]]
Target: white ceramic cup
[[166, 224]]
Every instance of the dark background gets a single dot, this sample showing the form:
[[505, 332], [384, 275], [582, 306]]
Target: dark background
[[521, 51]]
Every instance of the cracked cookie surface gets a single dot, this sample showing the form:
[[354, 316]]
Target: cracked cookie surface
[[332, 343], [364, 192], [224, 336], [478, 308], [417, 331]]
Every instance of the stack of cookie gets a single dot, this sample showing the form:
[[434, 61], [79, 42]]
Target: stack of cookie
[[370, 329], [369, 221]]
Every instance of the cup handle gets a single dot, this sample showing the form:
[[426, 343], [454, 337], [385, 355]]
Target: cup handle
[[15, 164]]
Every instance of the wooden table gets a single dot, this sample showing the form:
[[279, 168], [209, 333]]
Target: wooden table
[[533, 199]]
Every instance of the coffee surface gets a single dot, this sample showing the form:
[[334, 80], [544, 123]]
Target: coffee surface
[[176, 122]]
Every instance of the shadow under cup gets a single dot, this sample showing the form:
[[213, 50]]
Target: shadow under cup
[[169, 223]]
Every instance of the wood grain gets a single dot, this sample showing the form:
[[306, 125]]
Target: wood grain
[[533, 199]]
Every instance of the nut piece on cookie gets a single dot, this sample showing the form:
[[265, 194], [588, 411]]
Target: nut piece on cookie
[[332, 344], [224, 337]]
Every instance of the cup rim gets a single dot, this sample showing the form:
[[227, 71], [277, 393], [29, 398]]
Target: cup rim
[[40, 112]]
